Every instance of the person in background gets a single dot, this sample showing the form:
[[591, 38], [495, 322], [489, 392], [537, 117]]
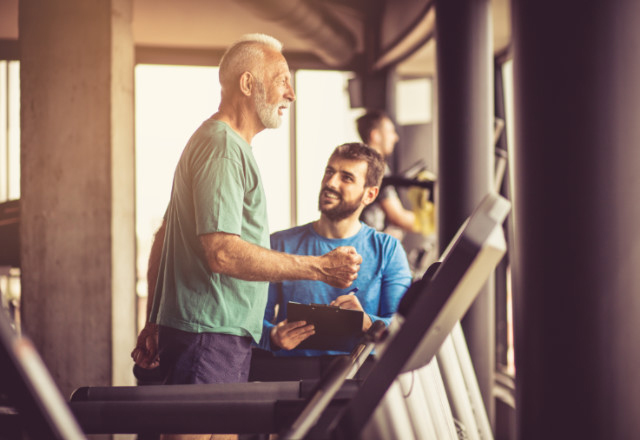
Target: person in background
[[210, 260], [351, 182], [387, 213]]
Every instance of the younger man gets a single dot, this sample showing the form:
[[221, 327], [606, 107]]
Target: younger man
[[351, 181]]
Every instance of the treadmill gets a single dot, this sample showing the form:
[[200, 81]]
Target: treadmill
[[31, 405], [336, 406]]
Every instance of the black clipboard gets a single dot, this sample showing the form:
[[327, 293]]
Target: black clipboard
[[336, 329]]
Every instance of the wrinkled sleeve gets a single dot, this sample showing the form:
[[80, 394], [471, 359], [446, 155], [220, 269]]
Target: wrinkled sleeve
[[218, 191]]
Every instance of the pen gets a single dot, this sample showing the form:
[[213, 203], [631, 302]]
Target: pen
[[350, 292]]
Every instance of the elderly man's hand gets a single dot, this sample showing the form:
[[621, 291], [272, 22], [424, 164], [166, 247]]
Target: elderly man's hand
[[339, 268], [287, 335], [145, 354]]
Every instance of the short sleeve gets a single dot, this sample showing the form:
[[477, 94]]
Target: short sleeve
[[218, 191]]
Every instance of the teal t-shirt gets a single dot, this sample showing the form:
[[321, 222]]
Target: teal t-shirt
[[216, 188]]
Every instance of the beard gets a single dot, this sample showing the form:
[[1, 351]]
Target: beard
[[268, 113], [340, 211]]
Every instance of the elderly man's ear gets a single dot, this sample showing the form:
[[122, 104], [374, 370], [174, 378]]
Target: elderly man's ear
[[246, 83]]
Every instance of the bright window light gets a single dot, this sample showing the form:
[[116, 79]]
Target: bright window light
[[9, 130], [171, 102], [413, 101], [324, 121]]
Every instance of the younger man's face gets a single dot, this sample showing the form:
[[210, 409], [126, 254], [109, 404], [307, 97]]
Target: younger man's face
[[343, 191]]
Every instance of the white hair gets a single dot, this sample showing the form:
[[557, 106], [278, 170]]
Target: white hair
[[267, 40], [246, 54]]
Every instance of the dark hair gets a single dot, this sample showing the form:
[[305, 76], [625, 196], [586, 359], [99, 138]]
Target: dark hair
[[368, 122], [359, 151]]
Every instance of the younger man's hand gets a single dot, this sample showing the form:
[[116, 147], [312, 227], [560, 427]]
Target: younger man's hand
[[351, 302], [287, 335]]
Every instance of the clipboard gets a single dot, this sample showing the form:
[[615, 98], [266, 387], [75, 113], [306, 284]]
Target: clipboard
[[336, 329]]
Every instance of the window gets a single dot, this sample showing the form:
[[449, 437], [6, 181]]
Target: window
[[323, 121], [10, 173], [9, 130], [172, 101]]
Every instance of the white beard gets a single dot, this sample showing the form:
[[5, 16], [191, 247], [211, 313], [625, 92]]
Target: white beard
[[268, 114]]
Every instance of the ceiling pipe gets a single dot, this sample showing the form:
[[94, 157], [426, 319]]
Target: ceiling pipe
[[330, 40], [422, 30]]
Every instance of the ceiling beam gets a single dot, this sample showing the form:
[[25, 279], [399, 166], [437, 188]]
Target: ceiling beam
[[330, 40]]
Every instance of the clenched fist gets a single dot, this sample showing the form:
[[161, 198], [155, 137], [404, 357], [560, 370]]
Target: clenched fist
[[339, 268]]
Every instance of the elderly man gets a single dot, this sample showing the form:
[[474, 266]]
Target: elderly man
[[210, 260]]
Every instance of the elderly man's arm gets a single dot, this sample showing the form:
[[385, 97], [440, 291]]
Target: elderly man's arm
[[230, 255], [145, 353]]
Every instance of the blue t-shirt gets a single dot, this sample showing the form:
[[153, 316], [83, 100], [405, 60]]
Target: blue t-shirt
[[383, 278], [216, 188]]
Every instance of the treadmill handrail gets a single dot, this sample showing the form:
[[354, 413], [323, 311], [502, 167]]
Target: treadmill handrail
[[331, 383]]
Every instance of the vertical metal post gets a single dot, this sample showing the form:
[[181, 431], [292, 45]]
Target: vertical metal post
[[6, 132], [577, 283], [77, 207], [465, 150], [293, 159]]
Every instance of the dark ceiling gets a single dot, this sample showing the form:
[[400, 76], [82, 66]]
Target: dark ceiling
[[332, 32]]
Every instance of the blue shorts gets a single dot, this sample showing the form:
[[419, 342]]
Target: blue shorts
[[197, 358]]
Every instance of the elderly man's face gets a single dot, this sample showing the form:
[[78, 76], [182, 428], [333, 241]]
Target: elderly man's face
[[274, 94]]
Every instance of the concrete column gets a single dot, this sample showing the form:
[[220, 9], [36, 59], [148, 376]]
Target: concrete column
[[465, 151], [577, 277], [77, 223]]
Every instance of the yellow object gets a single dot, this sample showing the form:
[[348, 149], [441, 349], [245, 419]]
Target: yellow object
[[423, 209]]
